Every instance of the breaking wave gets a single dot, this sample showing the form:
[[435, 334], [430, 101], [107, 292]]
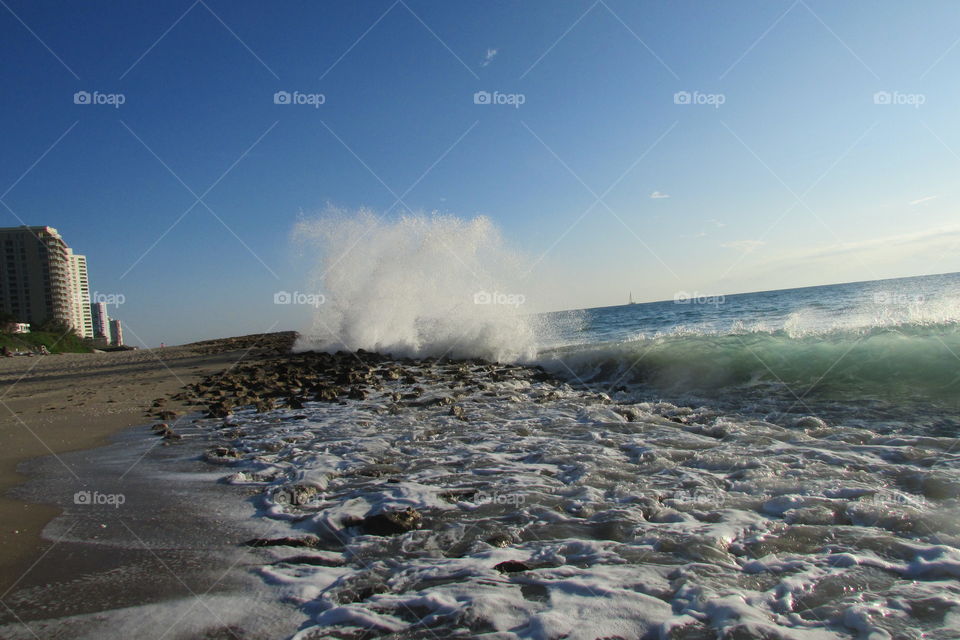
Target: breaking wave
[[906, 359], [420, 285]]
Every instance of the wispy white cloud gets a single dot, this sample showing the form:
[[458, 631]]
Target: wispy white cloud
[[717, 223], [488, 57], [656, 195], [743, 245], [915, 241], [922, 200]]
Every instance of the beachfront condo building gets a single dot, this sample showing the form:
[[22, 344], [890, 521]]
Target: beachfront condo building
[[100, 321], [42, 280], [116, 333], [80, 291], [35, 281]]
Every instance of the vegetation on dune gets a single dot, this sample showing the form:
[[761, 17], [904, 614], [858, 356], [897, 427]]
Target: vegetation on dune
[[56, 342]]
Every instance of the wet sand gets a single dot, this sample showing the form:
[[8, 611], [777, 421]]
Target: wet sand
[[71, 402]]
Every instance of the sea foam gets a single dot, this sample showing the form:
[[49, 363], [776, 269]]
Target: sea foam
[[420, 285]]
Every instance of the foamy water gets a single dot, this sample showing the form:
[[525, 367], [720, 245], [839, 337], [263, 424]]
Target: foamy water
[[778, 465], [630, 519]]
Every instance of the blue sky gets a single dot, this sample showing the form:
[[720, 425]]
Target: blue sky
[[802, 176]]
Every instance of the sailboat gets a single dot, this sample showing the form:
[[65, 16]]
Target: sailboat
[[631, 299]]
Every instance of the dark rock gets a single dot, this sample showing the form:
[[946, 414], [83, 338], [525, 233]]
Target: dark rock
[[305, 541], [356, 393], [390, 523], [218, 410], [297, 494], [327, 394], [221, 455], [511, 566], [499, 540], [457, 412], [378, 470]]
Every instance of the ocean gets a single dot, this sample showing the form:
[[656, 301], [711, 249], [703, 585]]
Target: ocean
[[882, 354]]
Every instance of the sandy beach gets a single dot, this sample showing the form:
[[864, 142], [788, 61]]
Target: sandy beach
[[70, 402]]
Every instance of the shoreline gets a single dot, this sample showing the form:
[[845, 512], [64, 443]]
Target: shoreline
[[356, 493], [62, 403]]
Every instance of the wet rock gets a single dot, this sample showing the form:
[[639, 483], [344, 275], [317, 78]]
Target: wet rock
[[356, 393], [296, 495], [167, 415], [294, 402], [388, 523], [305, 541], [511, 566], [218, 410], [457, 412], [221, 455], [630, 413], [327, 394], [499, 540], [378, 470]]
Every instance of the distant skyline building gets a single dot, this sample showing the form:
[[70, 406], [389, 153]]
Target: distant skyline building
[[80, 292], [35, 276], [100, 321], [116, 333]]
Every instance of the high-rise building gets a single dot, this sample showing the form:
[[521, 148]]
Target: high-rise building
[[116, 331], [100, 322], [80, 291], [35, 281]]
